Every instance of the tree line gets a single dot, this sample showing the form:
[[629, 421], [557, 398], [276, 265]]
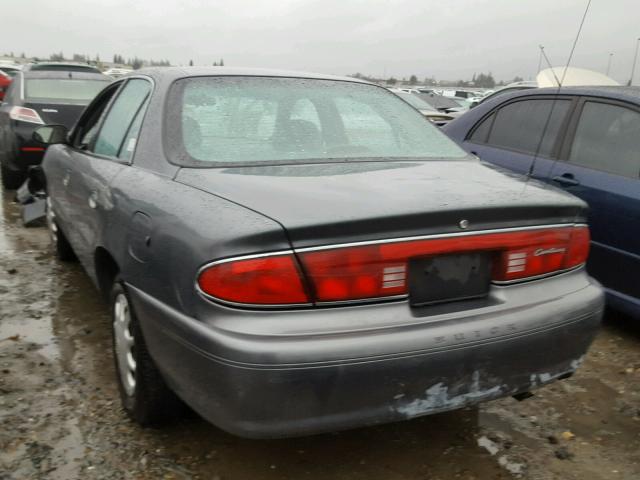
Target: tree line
[[481, 80], [133, 62]]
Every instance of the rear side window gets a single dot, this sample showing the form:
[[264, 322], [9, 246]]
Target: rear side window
[[481, 133], [519, 125], [608, 139], [120, 116]]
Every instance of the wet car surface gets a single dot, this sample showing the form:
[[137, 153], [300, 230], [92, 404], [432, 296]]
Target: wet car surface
[[61, 417]]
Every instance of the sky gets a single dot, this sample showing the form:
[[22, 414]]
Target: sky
[[447, 39]]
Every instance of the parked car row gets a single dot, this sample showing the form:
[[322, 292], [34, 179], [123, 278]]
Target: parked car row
[[295, 238], [315, 253]]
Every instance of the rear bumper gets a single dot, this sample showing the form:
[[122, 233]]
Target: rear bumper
[[26, 152], [460, 363]]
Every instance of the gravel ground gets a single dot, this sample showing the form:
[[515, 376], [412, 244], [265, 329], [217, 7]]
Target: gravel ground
[[60, 415]]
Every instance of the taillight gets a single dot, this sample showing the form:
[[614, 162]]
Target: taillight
[[24, 114], [380, 269], [270, 280], [550, 251]]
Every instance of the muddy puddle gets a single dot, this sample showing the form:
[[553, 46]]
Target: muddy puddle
[[61, 418]]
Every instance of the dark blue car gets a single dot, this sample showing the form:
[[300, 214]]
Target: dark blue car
[[591, 148]]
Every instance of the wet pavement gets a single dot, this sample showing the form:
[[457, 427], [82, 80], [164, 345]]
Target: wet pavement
[[60, 416]]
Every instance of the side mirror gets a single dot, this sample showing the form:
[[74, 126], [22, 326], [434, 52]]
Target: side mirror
[[51, 134]]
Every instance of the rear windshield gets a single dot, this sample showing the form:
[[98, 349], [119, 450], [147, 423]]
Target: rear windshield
[[62, 91], [216, 121]]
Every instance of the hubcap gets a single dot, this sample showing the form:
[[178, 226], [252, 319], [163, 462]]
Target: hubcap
[[124, 343], [51, 222]]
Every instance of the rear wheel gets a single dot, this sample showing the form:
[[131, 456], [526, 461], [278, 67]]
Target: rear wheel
[[144, 393], [61, 245], [11, 179]]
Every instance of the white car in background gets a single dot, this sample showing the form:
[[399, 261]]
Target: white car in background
[[117, 72], [430, 113]]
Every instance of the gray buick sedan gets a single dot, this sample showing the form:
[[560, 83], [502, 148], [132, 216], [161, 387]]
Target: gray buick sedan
[[294, 253]]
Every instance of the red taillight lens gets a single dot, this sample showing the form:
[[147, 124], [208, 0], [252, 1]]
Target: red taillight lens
[[555, 250], [273, 280], [24, 114], [381, 270], [578, 247]]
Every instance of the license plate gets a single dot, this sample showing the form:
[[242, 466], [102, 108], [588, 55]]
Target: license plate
[[448, 278]]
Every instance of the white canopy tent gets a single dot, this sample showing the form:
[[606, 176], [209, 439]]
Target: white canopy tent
[[572, 77]]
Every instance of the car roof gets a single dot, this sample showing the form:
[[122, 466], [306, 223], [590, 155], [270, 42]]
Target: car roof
[[60, 66], [57, 74], [171, 73], [629, 94]]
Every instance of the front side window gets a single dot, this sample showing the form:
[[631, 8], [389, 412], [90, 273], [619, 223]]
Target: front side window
[[62, 91], [608, 139], [120, 116], [253, 120], [520, 125]]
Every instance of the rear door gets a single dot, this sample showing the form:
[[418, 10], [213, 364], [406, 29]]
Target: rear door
[[602, 167], [512, 134], [97, 163]]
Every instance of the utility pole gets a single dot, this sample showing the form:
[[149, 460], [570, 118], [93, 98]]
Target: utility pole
[[609, 64], [635, 59]]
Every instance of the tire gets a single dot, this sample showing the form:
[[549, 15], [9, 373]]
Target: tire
[[145, 396], [61, 245], [11, 180]]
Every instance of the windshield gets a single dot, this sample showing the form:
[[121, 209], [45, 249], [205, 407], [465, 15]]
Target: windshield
[[62, 91], [414, 101], [438, 101], [254, 120]]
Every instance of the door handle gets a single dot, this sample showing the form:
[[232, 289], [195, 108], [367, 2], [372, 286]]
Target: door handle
[[566, 179], [66, 177], [93, 199]]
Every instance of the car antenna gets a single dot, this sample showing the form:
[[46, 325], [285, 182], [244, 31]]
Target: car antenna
[[559, 82], [546, 59]]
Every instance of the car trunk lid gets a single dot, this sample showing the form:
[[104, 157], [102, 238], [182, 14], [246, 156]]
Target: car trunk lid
[[325, 204]]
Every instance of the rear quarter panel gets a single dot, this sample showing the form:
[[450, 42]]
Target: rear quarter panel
[[182, 229]]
